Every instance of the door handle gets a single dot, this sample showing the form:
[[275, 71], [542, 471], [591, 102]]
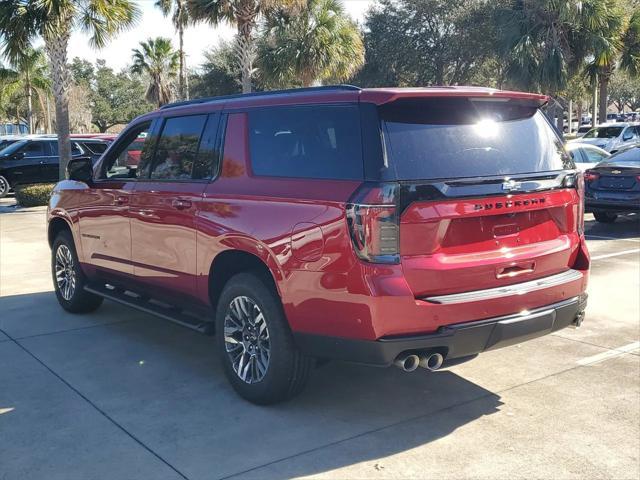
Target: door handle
[[180, 204], [122, 200]]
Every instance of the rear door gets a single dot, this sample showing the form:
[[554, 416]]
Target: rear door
[[164, 205], [485, 198]]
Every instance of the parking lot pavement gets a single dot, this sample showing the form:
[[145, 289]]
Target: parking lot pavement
[[120, 394]]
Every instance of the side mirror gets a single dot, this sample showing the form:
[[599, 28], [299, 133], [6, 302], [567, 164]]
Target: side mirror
[[18, 155], [627, 136], [80, 169]]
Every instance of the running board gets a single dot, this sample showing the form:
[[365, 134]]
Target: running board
[[154, 307]]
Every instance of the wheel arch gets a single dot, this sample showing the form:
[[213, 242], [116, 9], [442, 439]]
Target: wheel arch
[[231, 262], [57, 225]]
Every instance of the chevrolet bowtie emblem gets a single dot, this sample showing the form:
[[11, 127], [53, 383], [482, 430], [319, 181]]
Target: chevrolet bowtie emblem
[[511, 186], [616, 171]]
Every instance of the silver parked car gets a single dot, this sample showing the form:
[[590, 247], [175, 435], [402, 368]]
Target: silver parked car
[[612, 136]]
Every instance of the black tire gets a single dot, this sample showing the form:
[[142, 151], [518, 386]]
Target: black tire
[[287, 370], [605, 217], [75, 299], [4, 187]]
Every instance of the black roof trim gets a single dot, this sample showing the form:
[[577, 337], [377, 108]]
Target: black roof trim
[[268, 93]]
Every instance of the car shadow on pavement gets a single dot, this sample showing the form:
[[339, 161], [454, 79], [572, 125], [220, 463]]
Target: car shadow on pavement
[[164, 385], [625, 226]]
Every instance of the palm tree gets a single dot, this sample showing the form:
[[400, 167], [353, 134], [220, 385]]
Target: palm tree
[[619, 47], [244, 14], [180, 19], [157, 59], [318, 43], [53, 20], [9, 84], [31, 68]]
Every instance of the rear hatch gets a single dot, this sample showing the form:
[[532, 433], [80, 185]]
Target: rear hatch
[[486, 195]]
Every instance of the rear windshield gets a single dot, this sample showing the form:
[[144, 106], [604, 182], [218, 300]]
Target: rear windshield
[[604, 132], [457, 138]]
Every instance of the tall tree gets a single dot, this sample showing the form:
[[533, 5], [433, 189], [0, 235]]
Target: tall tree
[[244, 14], [21, 21], [116, 98], [606, 44], [218, 74], [427, 42], [179, 11], [31, 67], [157, 59], [320, 42]]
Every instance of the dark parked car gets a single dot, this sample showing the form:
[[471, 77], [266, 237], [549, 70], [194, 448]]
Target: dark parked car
[[405, 227], [35, 160], [613, 186]]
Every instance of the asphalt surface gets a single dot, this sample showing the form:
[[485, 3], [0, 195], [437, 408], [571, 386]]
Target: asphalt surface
[[119, 394]]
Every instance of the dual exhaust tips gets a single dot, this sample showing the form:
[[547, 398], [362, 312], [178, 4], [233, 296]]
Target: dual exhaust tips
[[410, 361]]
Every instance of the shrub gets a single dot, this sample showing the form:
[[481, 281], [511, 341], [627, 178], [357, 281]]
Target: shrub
[[33, 195]]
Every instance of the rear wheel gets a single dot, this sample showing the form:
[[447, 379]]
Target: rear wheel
[[4, 187], [256, 347], [68, 279], [605, 217]]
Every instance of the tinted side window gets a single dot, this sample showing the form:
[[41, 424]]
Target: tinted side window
[[177, 147], [95, 147], [76, 149], [131, 155], [33, 149], [208, 156], [309, 142]]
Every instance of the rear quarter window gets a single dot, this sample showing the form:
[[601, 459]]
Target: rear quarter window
[[320, 141]]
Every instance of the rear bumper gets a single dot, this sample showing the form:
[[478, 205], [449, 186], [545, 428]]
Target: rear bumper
[[453, 341], [626, 203]]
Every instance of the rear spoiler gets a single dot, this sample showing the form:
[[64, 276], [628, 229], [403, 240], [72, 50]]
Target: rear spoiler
[[382, 96]]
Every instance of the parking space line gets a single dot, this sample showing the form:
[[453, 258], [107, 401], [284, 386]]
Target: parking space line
[[615, 254], [602, 237], [600, 357]]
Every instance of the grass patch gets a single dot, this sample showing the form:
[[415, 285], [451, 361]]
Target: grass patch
[[34, 195]]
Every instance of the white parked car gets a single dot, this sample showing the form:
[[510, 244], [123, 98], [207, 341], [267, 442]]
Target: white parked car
[[586, 155], [612, 136]]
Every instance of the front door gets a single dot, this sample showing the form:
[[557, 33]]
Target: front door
[[163, 210], [104, 219]]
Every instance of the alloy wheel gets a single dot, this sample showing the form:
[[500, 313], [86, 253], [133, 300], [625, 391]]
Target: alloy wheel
[[246, 339], [4, 186], [65, 273]]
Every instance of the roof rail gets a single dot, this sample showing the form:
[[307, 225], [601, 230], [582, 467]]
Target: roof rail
[[267, 93]]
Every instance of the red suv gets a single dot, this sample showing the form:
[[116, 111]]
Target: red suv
[[381, 226]]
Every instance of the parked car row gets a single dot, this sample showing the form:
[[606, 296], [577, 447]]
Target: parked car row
[[34, 158], [610, 137]]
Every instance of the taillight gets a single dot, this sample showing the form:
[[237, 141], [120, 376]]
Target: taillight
[[374, 223], [591, 176], [576, 180], [580, 187]]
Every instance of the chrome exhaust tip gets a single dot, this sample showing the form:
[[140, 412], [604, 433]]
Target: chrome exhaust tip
[[431, 361], [407, 362]]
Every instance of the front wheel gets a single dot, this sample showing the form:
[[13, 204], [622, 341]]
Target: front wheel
[[256, 347], [605, 217], [4, 187], [68, 279]]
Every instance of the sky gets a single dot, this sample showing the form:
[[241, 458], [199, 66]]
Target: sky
[[197, 39]]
